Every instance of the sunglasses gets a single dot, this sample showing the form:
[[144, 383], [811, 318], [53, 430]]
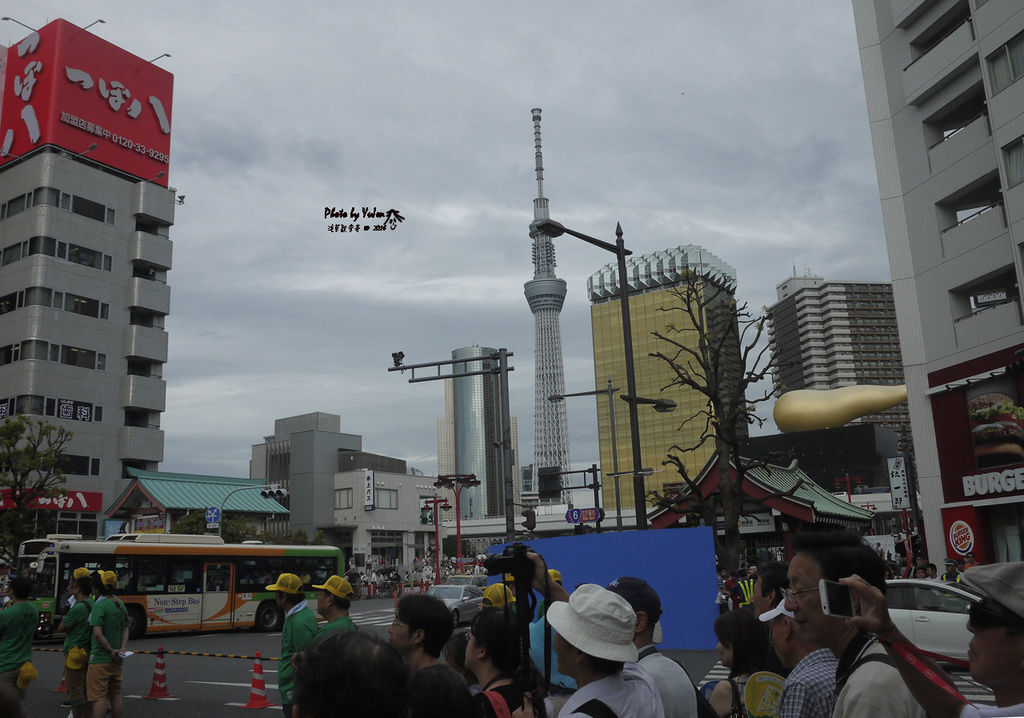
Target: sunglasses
[[982, 616]]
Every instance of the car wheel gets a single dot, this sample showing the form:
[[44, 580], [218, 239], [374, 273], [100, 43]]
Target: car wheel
[[136, 623], [268, 617], [455, 617]]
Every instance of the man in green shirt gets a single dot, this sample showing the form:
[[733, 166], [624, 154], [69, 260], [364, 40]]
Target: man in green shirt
[[109, 621], [333, 604], [299, 629], [18, 623], [77, 646]]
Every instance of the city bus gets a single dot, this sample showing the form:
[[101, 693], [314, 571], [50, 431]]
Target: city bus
[[175, 582]]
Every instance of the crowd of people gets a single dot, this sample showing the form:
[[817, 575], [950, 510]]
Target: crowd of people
[[592, 651]]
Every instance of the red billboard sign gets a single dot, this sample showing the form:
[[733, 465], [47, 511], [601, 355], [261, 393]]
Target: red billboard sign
[[71, 501], [67, 87]]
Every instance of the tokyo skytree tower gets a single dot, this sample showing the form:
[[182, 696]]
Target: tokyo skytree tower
[[545, 293]]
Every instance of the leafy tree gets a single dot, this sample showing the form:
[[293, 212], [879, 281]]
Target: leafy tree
[[31, 455], [298, 537], [233, 529], [716, 348]]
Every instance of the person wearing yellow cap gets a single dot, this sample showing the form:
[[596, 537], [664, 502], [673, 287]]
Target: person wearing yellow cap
[[17, 628], [300, 627], [109, 621], [333, 603], [78, 573], [497, 595], [77, 644]]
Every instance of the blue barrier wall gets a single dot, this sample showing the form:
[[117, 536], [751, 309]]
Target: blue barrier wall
[[678, 563]]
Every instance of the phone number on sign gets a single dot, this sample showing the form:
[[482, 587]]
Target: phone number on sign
[[139, 147]]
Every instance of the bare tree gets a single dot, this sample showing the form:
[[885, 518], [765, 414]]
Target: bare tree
[[717, 348], [31, 456]]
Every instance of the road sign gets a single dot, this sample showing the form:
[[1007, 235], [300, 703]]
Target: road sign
[[900, 491], [581, 516], [212, 517]]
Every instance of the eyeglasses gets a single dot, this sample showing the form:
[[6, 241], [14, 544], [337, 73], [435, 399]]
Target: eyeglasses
[[396, 622], [790, 595], [982, 616]]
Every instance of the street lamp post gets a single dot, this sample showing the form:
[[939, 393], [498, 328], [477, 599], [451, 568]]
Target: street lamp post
[[555, 229], [269, 491], [660, 405], [455, 482], [436, 503]]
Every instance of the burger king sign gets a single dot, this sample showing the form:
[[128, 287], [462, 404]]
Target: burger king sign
[[961, 537]]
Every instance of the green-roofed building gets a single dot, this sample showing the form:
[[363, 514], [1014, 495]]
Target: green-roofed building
[[154, 500]]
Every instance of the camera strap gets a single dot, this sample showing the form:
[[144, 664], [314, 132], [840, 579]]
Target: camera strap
[[910, 654]]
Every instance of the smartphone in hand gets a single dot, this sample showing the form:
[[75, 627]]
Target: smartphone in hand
[[835, 599]]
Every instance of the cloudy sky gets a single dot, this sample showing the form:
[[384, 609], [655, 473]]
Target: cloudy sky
[[736, 125]]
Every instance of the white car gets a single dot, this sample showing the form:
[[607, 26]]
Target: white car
[[464, 601], [932, 614]]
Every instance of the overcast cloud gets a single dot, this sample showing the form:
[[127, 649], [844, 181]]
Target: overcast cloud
[[738, 126]]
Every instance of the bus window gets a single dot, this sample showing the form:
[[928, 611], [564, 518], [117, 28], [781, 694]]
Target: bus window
[[150, 575], [186, 576], [218, 577]]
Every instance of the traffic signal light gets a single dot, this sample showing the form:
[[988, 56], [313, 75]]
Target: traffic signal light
[[274, 492], [549, 483], [531, 519]]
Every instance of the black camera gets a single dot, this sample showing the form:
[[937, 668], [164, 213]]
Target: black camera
[[512, 560]]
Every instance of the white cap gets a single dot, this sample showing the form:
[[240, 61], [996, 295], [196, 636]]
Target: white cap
[[779, 610]]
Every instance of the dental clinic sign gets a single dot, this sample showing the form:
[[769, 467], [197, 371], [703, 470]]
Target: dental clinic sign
[[67, 87]]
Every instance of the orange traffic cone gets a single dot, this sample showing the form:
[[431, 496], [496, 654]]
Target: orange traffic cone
[[258, 692], [60, 688], [158, 689]]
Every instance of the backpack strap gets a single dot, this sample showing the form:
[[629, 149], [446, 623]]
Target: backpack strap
[[596, 708], [737, 705], [498, 704], [648, 651]]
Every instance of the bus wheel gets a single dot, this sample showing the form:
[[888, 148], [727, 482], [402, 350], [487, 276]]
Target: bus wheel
[[136, 622], [268, 617]]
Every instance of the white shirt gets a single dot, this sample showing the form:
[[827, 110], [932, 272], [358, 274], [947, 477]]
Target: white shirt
[[971, 710], [677, 692], [630, 694]]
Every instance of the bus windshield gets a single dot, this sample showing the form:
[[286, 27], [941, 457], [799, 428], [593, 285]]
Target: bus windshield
[[42, 571]]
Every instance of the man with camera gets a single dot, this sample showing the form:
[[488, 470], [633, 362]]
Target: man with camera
[[868, 684], [996, 651]]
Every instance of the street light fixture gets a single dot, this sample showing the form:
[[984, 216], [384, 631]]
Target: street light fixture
[[556, 229], [455, 482], [660, 405]]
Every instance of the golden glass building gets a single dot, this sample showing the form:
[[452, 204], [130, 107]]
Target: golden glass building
[[651, 278]]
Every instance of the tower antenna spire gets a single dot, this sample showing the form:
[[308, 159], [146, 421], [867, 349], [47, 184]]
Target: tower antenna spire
[[538, 153]]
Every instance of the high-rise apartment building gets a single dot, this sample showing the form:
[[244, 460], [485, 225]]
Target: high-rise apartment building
[[469, 435], [84, 225], [651, 279], [944, 81], [825, 335]]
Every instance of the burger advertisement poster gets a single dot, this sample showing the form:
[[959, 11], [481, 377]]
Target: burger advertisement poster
[[996, 422]]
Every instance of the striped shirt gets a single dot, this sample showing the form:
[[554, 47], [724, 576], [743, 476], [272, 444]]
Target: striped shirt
[[810, 690]]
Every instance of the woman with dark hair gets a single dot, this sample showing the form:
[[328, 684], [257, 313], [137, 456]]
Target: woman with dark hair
[[742, 648], [351, 672], [455, 657], [440, 692], [492, 655]]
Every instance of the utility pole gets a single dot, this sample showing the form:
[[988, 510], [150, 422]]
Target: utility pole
[[501, 356]]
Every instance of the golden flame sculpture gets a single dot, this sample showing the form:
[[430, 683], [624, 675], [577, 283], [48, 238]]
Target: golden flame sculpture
[[810, 409]]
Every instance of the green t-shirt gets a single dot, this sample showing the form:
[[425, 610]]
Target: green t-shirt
[[18, 624], [111, 616], [79, 632], [342, 624], [299, 629]]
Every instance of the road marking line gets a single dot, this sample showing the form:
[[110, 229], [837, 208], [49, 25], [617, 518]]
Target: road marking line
[[233, 685]]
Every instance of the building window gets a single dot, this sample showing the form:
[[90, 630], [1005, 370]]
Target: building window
[[387, 498], [1014, 153], [343, 498], [1007, 63]]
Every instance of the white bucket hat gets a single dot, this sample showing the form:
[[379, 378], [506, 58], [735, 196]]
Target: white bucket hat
[[596, 621]]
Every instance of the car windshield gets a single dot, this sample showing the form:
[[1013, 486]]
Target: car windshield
[[446, 591], [459, 580]]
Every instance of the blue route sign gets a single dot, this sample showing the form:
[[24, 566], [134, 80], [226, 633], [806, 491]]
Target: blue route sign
[[213, 515], [572, 516]]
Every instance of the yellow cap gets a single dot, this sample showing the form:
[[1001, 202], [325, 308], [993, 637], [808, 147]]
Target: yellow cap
[[555, 575], [337, 585], [497, 595], [109, 578], [287, 582], [82, 572], [77, 658], [26, 674]]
